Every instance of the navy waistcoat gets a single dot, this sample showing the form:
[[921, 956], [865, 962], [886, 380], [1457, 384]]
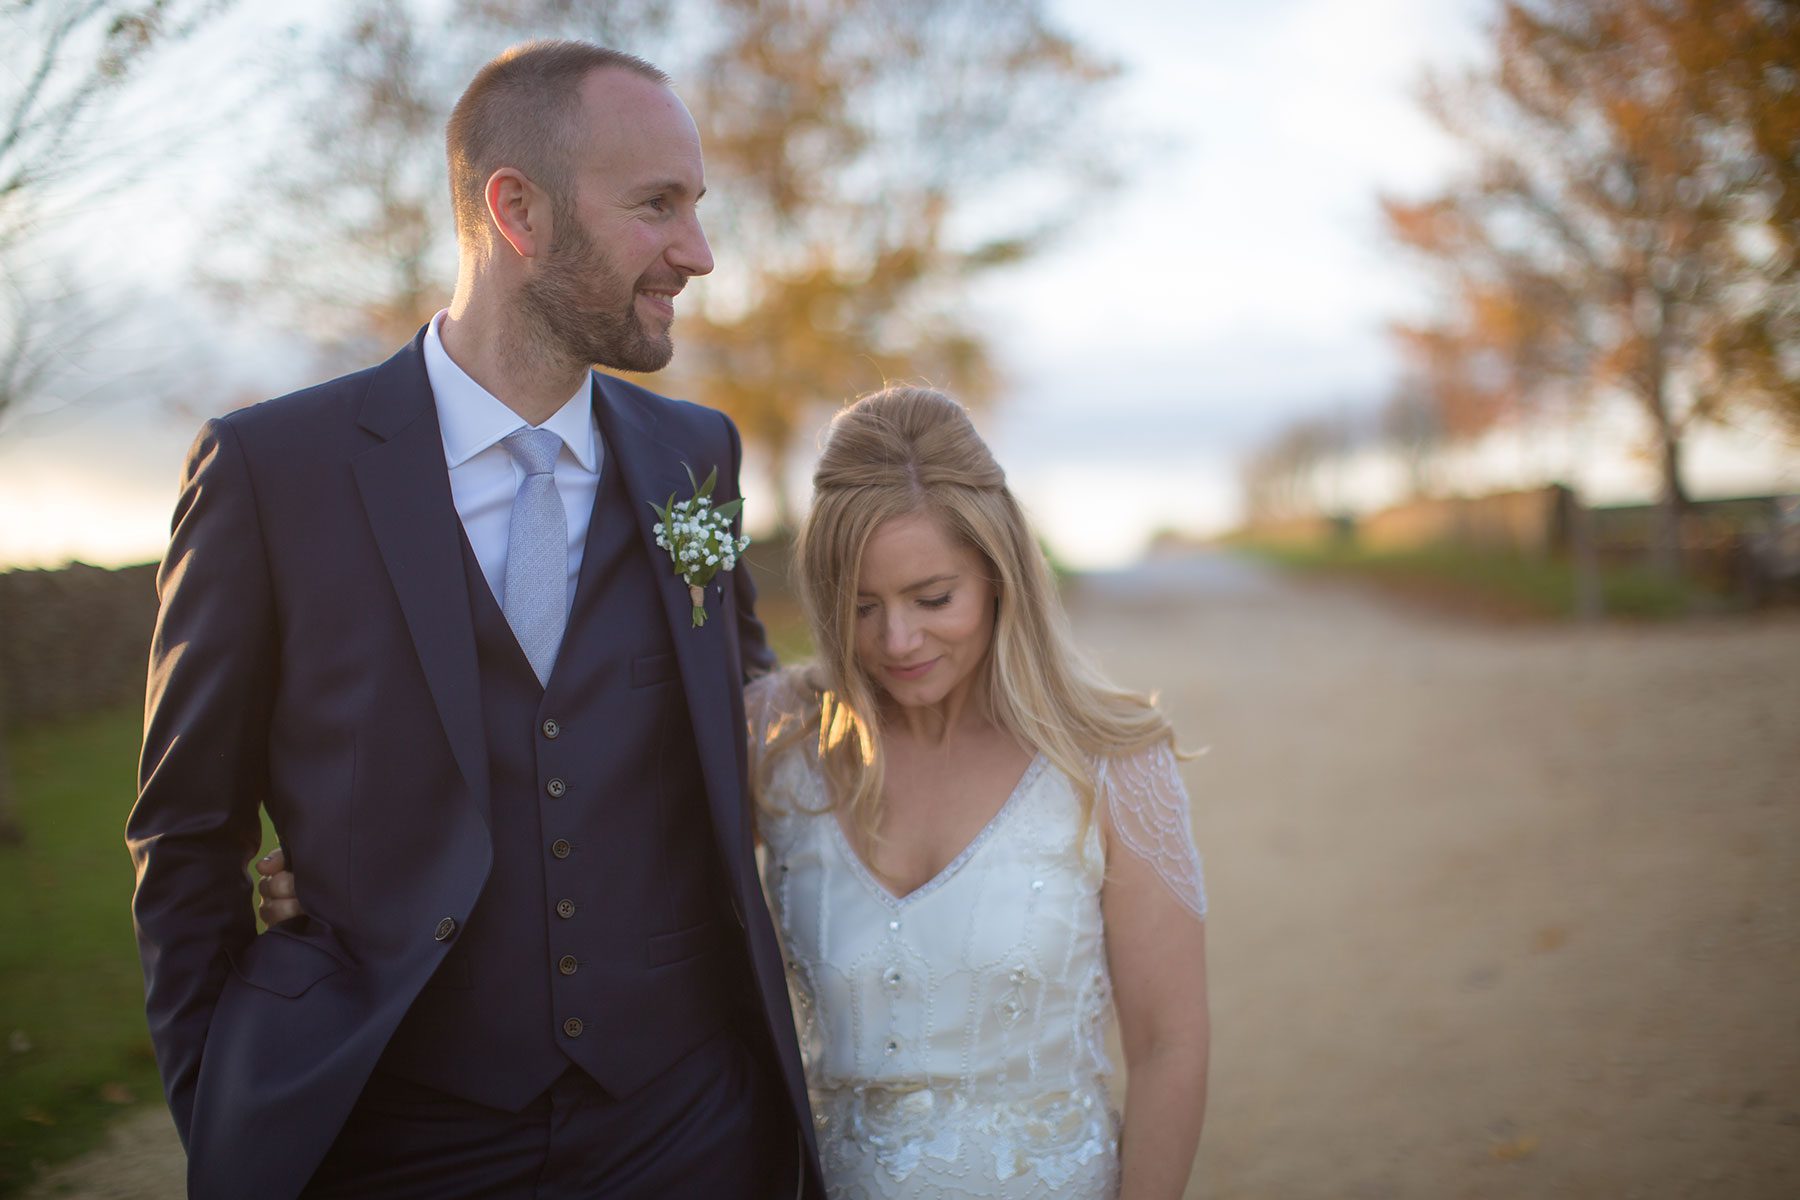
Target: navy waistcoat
[[599, 937]]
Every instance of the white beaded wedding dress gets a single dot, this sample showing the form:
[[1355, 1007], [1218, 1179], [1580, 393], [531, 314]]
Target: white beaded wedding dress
[[955, 1038]]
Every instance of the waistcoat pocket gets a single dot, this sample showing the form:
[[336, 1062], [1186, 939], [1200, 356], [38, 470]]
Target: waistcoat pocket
[[668, 948]]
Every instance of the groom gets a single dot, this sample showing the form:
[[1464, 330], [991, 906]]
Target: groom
[[418, 615]]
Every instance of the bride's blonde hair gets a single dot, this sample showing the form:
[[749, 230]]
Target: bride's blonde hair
[[906, 450]]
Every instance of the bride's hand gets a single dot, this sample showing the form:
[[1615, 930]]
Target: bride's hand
[[276, 889]]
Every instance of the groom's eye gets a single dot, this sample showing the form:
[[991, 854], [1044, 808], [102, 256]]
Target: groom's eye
[[659, 203]]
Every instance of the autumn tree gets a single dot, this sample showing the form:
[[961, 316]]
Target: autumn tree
[[865, 161], [1627, 225], [873, 159]]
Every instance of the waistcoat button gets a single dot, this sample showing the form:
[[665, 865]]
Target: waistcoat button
[[556, 788], [551, 729], [572, 1026], [565, 909], [560, 847], [566, 964], [445, 928]]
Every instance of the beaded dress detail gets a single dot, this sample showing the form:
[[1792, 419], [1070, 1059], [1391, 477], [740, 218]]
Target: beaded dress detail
[[954, 1039]]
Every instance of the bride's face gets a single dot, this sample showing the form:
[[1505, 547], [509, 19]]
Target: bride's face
[[924, 611]]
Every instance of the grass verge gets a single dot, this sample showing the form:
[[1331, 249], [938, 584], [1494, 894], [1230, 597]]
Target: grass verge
[[76, 1051], [1490, 584]]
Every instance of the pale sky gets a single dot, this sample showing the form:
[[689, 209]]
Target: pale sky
[[1238, 280]]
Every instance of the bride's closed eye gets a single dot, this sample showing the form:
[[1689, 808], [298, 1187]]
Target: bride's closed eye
[[863, 610]]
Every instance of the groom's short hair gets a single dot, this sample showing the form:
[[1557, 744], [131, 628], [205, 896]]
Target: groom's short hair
[[518, 112]]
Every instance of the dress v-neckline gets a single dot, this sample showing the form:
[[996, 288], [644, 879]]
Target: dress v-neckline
[[862, 870]]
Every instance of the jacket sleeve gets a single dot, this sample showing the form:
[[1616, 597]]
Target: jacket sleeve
[[204, 770], [753, 641]]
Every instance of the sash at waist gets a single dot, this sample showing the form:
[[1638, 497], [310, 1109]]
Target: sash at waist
[[1018, 1130]]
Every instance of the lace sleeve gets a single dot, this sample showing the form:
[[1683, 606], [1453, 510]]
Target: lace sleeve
[[1146, 808]]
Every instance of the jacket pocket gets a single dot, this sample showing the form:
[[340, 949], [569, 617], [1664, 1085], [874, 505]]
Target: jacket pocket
[[668, 948], [284, 964]]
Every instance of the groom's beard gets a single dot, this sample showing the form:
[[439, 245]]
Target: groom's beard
[[572, 303]]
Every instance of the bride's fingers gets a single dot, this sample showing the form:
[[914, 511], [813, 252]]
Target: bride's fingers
[[276, 889], [274, 912]]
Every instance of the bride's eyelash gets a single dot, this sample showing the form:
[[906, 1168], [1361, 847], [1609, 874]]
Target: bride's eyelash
[[863, 610]]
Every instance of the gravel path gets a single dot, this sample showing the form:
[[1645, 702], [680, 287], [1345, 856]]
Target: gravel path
[[1498, 911]]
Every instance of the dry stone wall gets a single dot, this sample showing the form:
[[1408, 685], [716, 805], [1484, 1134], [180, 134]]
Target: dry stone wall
[[73, 640]]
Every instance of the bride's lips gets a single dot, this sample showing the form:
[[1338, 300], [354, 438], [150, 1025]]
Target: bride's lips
[[912, 672]]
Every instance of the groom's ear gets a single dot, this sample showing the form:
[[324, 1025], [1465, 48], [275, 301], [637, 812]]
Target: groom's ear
[[520, 212]]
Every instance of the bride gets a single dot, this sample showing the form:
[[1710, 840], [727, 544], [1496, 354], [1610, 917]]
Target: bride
[[973, 847]]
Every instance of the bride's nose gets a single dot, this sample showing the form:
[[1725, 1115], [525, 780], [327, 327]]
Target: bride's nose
[[899, 635]]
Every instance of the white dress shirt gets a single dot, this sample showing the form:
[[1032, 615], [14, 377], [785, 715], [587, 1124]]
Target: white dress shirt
[[483, 476]]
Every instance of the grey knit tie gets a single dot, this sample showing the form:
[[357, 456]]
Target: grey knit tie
[[537, 552]]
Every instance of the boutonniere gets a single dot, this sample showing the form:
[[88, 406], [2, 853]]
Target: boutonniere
[[698, 537]]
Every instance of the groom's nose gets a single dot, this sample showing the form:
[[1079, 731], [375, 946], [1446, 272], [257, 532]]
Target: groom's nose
[[689, 252]]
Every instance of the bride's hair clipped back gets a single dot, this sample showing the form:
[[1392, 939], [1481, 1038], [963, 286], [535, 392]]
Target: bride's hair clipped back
[[913, 450]]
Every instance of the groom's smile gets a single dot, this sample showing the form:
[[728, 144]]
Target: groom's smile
[[660, 303]]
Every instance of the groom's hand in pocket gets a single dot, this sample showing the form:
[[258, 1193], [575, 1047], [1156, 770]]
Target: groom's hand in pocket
[[277, 901]]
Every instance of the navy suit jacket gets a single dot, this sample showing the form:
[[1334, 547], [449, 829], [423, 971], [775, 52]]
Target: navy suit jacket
[[314, 633]]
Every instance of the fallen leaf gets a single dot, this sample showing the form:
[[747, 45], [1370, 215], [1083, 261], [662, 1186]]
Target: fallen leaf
[[1551, 937], [38, 1116], [117, 1093], [1511, 1151], [18, 1042]]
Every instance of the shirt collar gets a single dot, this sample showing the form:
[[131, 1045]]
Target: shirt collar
[[471, 418]]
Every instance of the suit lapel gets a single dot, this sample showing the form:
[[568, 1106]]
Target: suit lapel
[[651, 469], [405, 489]]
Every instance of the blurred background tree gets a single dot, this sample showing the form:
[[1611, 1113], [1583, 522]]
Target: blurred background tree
[[340, 236], [864, 160], [1629, 223], [872, 157], [67, 68], [1286, 479], [345, 235], [1411, 425]]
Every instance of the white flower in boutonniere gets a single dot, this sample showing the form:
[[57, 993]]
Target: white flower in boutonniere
[[698, 538]]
